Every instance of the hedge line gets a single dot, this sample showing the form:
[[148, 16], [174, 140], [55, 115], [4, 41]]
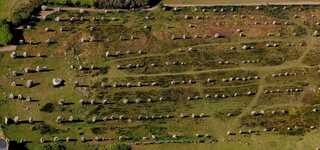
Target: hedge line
[[125, 4]]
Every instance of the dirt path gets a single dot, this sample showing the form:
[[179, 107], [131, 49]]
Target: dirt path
[[8, 48], [243, 4]]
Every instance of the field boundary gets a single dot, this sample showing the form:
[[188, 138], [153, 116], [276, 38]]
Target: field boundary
[[244, 4]]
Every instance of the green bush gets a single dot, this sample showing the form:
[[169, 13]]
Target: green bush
[[84, 3], [276, 12], [44, 129], [62, 2], [55, 146], [119, 146], [49, 107], [5, 34]]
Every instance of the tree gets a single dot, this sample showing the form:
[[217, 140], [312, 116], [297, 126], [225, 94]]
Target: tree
[[5, 34], [23, 11]]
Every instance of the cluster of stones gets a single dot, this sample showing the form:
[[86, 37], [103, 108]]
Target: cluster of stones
[[57, 82], [94, 39], [17, 120], [94, 102], [201, 115], [173, 139], [289, 90], [25, 54], [70, 139], [94, 119], [161, 142], [174, 82], [120, 53], [226, 62], [130, 66], [279, 112], [83, 68], [83, 18], [28, 84], [88, 39], [37, 69], [61, 29], [131, 37], [250, 61], [217, 96], [198, 9], [242, 132], [188, 17], [272, 45], [273, 112], [294, 90], [154, 117], [257, 113], [30, 42], [189, 49], [273, 22], [144, 140], [283, 74], [61, 119], [265, 130], [272, 91], [19, 97], [196, 36], [167, 63], [139, 100], [231, 79], [247, 47], [129, 84]]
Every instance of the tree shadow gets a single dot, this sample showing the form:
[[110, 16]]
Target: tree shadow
[[14, 145], [153, 3]]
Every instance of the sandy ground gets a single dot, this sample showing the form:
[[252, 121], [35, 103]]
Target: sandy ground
[[8, 48]]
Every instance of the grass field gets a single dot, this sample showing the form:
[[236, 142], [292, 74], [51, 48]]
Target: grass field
[[163, 63]]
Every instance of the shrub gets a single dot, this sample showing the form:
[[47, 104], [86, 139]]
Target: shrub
[[55, 146], [49, 107], [119, 146], [62, 2], [5, 34], [44, 129], [84, 3]]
